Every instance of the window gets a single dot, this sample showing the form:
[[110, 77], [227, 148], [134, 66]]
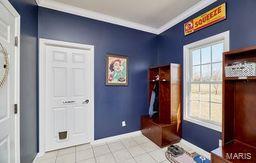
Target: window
[[203, 81]]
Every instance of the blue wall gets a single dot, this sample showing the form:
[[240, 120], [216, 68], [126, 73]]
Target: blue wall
[[241, 23], [28, 68], [112, 103]]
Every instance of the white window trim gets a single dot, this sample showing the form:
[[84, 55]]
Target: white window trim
[[186, 51]]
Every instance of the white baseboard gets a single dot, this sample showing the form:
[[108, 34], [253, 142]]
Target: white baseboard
[[196, 148], [117, 137]]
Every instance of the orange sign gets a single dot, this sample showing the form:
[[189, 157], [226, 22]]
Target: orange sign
[[209, 18]]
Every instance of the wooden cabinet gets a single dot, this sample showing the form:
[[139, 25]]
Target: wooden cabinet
[[165, 128], [239, 113]]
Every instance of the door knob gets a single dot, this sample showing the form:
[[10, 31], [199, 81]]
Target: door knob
[[86, 101]]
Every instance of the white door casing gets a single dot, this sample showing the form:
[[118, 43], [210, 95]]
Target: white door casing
[[66, 94], [9, 93]]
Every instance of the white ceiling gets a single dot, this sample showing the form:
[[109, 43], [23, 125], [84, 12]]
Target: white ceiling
[[152, 13], [149, 14]]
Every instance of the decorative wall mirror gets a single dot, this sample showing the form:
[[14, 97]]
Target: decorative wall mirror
[[4, 63]]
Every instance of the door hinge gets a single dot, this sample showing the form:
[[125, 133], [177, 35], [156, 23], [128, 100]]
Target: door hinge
[[15, 108], [16, 41]]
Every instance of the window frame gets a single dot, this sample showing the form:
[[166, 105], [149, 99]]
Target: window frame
[[187, 50]]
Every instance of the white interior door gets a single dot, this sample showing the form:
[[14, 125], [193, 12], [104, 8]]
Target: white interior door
[[68, 95], [7, 91]]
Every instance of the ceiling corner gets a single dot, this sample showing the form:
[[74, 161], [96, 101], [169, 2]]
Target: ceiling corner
[[194, 9]]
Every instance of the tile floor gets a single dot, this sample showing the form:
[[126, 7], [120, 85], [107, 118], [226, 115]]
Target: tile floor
[[136, 149]]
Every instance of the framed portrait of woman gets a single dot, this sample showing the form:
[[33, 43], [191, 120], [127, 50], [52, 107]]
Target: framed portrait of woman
[[116, 70]]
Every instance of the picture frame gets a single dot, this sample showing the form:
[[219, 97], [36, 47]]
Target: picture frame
[[116, 70]]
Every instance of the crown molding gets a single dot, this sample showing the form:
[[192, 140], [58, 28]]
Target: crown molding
[[113, 20], [93, 15], [194, 9]]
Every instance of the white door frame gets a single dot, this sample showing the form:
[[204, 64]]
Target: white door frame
[[12, 10], [42, 85]]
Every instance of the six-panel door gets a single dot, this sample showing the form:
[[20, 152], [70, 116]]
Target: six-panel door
[[7, 91], [67, 97]]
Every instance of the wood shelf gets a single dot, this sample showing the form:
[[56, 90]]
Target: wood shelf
[[251, 49], [241, 78]]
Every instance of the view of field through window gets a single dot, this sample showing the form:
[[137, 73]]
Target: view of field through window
[[205, 84]]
